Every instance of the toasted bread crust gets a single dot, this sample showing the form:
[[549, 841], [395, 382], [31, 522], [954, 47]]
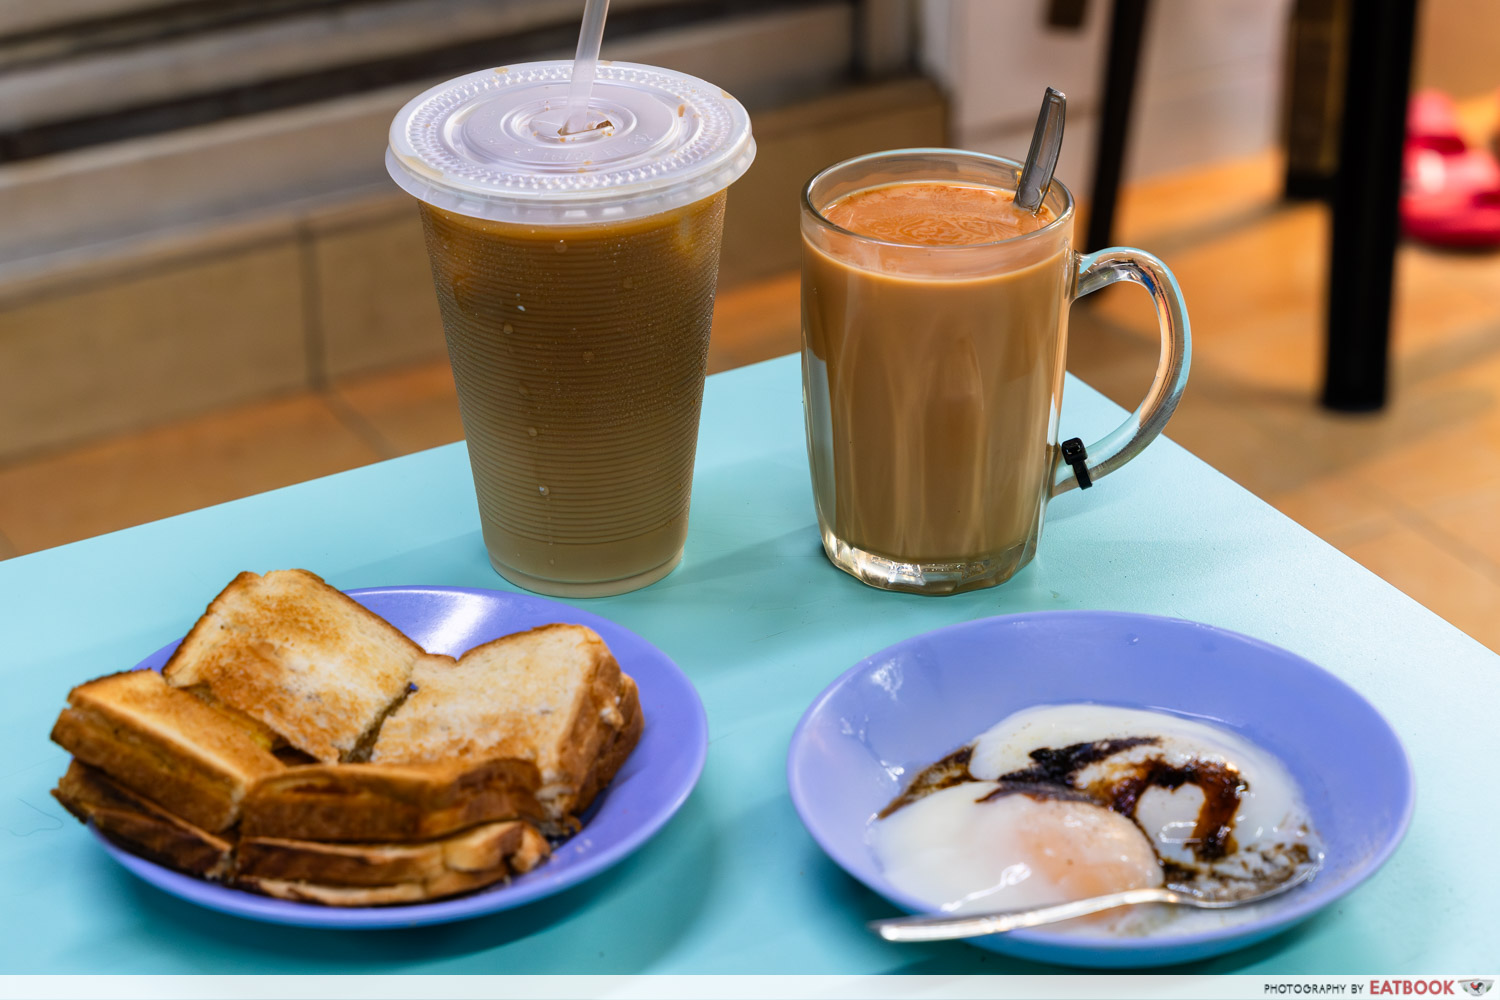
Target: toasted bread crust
[[533, 851], [481, 848], [513, 698], [164, 744], [142, 827], [613, 756], [201, 768], [513, 848], [374, 802], [447, 884], [307, 661], [596, 725]]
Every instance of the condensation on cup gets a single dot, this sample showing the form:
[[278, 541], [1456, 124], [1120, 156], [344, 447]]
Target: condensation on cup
[[575, 275]]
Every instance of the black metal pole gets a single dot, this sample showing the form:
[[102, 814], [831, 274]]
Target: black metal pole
[[1127, 26], [1362, 260]]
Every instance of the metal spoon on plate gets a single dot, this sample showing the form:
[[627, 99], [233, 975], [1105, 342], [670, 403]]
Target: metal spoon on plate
[[947, 927]]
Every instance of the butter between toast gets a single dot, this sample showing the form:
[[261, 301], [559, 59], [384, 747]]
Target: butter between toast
[[310, 663], [166, 745], [370, 802], [550, 695], [145, 828], [478, 849], [141, 826], [531, 851]]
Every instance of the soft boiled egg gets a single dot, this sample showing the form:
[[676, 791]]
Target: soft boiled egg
[[1269, 811], [1064, 802], [974, 847]]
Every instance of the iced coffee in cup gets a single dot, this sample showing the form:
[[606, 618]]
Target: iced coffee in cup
[[575, 272]]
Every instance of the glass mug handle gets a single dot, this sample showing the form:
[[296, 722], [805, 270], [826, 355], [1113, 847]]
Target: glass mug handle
[[1106, 267]]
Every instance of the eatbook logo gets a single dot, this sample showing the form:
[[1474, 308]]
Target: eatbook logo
[[1477, 987]]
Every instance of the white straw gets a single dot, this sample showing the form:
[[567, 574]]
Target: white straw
[[590, 37]]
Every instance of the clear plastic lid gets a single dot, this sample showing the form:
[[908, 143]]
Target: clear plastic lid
[[488, 145]]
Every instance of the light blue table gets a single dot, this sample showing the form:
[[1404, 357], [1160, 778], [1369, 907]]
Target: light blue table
[[761, 622]]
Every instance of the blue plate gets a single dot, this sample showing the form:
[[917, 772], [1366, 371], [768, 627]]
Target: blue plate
[[650, 787], [911, 704]]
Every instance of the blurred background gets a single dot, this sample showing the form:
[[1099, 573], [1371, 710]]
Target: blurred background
[[210, 288]]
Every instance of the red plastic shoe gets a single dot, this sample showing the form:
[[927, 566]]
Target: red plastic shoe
[[1451, 192]]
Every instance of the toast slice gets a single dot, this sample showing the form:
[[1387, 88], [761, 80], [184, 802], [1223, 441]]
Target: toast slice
[[355, 803], [477, 849], [310, 663], [550, 695], [530, 851], [399, 893], [141, 826], [612, 758], [166, 745]]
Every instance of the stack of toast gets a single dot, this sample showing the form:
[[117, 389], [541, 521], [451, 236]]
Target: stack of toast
[[299, 745]]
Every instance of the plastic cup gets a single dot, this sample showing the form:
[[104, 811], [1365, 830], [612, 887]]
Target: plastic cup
[[575, 275]]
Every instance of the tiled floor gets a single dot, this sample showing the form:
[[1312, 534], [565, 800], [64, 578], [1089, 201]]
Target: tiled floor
[[1412, 493]]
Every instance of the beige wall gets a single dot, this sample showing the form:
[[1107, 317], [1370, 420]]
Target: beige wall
[[1211, 74], [231, 311], [1458, 46], [1209, 89]]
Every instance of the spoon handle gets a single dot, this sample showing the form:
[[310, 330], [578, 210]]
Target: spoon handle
[[947, 928], [1041, 159]]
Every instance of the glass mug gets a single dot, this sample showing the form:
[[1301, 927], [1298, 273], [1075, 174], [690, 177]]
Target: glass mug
[[932, 380]]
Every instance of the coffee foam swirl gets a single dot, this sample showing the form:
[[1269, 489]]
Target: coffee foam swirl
[[934, 214]]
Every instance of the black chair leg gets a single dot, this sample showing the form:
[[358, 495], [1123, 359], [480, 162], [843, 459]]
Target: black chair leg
[[1126, 27], [1365, 222]]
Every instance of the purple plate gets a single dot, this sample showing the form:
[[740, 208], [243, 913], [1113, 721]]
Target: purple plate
[[653, 784], [913, 703]]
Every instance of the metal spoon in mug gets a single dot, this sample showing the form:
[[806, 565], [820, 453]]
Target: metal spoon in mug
[[1041, 159], [947, 927]]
